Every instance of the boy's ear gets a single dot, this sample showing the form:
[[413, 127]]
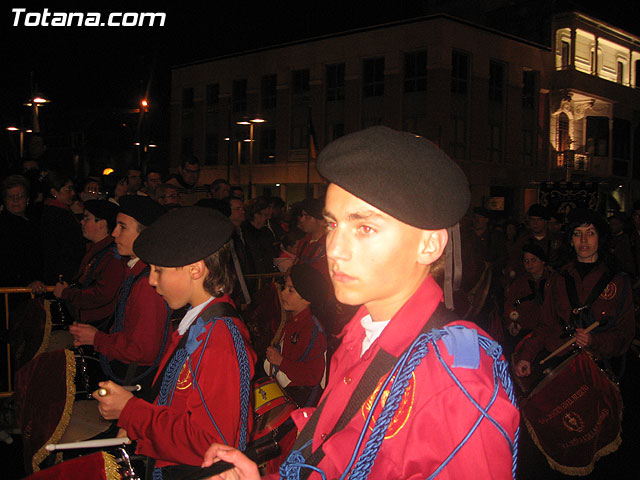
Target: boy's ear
[[197, 270], [432, 245]]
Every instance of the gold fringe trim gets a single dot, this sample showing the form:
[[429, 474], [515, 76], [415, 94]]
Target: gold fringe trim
[[577, 471], [42, 453], [111, 468], [46, 336]]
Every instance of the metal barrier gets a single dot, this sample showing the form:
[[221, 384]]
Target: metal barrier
[[7, 291]]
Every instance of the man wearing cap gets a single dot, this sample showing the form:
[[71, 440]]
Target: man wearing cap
[[135, 340], [385, 231], [92, 298], [202, 393], [538, 234]]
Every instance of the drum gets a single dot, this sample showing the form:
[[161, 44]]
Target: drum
[[111, 464], [574, 415], [272, 406]]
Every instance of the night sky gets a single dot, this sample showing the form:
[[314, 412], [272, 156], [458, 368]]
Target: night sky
[[84, 69]]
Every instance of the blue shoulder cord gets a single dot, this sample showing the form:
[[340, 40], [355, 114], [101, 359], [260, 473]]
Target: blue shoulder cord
[[402, 371], [118, 325], [170, 378]]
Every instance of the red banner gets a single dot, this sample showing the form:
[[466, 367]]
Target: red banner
[[574, 415]]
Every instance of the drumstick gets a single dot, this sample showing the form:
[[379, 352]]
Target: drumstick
[[100, 443], [103, 392], [567, 343]]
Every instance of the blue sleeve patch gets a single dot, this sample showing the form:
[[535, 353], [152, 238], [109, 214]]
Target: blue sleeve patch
[[462, 344], [194, 332]]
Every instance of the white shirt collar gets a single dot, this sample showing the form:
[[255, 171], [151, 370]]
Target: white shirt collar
[[372, 331], [132, 262], [191, 316]]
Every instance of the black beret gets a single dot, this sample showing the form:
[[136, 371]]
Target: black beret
[[534, 249], [403, 175], [141, 208], [183, 236], [313, 207], [538, 210], [102, 210], [309, 283]]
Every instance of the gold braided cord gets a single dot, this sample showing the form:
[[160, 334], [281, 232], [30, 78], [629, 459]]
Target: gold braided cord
[[46, 335], [111, 468], [42, 453]]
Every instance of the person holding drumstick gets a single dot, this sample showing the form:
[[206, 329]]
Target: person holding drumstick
[[202, 391], [391, 197], [587, 290], [297, 360]]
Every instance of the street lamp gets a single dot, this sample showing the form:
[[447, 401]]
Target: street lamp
[[22, 132], [35, 102], [251, 122]]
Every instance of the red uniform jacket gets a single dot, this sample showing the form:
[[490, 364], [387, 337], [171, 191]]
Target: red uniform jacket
[[182, 432], [296, 338], [145, 318], [434, 415], [614, 307], [102, 273]]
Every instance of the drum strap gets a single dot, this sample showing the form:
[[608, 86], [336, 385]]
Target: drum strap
[[317, 329], [167, 379], [381, 364], [581, 315]]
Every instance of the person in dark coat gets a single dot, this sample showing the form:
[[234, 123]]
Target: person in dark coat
[[61, 239], [19, 246]]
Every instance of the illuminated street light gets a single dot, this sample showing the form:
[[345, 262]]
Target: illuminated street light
[[22, 132], [251, 122]]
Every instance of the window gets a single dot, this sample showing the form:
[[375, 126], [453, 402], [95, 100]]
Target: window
[[213, 94], [598, 136], [459, 72], [459, 123], [187, 98], [239, 95], [564, 141], [268, 145], [186, 147], [211, 153], [268, 92], [620, 72], [373, 77], [529, 81], [497, 71], [335, 82], [300, 86], [415, 71], [495, 143], [565, 53]]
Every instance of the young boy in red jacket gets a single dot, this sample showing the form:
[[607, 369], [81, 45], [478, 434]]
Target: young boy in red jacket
[[202, 391], [399, 402]]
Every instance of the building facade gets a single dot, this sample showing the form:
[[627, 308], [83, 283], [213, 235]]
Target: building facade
[[513, 113]]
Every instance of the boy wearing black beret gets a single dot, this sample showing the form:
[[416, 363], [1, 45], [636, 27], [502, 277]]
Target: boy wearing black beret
[[134, 342], [202, 391], [297, 359], [392, 407], [92, 298]]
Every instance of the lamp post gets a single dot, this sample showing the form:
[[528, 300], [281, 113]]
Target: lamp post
[[21, 131], [251, 122]]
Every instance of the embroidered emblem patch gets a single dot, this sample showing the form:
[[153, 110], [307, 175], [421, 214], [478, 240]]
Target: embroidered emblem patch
[[402, 413], [573, 422], [184, 379], [609, 292]]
